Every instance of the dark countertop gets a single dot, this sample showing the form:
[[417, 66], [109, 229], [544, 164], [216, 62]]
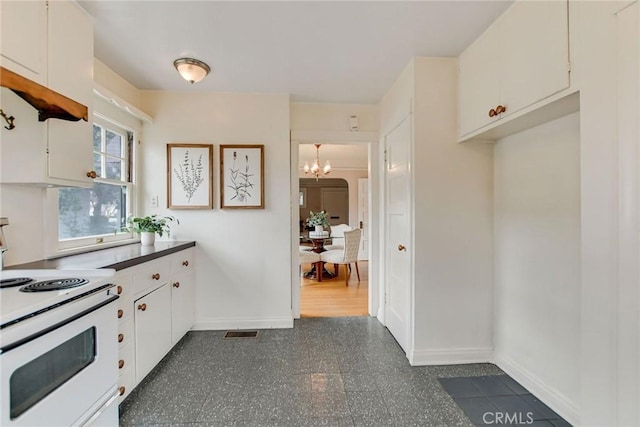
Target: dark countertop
[[118, 258]]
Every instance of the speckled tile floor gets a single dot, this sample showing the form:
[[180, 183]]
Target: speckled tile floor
[[323, 372]]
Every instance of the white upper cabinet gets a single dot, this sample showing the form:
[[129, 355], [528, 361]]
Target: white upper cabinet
[[71, 74], [479, 84], [52, 152], [520, 60], [23, 38]]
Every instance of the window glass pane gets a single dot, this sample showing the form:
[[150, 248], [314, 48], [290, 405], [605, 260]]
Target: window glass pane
[[114, 143], [97, 138], [97, 163], [114, 168], [85, 212]]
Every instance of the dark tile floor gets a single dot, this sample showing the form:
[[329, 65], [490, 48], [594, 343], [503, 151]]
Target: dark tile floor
[[323, 372], [498, 399]]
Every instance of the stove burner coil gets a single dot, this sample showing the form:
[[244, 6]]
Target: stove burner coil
[[54, 285], [18, 281]]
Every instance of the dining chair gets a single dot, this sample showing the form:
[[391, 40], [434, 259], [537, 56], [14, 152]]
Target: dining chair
[[338, 232], [345, 256], [309, 257]]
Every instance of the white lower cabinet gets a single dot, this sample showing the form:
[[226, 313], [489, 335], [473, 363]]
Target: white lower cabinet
[[155, 310], [153, 329]]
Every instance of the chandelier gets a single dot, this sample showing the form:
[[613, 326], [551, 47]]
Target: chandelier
[[314, 169]]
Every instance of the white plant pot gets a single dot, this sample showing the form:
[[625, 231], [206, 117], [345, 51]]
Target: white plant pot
[[318, 229], [147, 238]]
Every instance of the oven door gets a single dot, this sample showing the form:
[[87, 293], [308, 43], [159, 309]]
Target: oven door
[[53, 375]]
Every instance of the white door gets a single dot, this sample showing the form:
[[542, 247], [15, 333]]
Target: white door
[[398, 228], [363, 217]]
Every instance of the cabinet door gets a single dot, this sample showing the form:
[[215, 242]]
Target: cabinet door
[[534, 46], [182, 305], [478, 82], [23, 38], [71, 74], [153, 329]]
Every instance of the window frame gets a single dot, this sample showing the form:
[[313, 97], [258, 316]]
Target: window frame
[[84, 244]]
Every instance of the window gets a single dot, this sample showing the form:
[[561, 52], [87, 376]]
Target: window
[[98, 214]]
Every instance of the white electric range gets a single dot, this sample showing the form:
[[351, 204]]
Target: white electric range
[[58, 348]]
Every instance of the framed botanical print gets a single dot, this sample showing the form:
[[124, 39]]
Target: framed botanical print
[[189, 176], [242, 176]]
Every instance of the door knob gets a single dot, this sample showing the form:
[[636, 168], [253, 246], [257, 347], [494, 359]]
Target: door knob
[[155, 276], [120, 337], [176, 285], [92, 174], [361, 225], [185, 263], [493, 113], [142, 307], [401, 248]]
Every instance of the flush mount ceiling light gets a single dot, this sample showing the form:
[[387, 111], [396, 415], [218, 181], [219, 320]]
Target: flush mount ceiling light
[[192, 70], [315, 169]]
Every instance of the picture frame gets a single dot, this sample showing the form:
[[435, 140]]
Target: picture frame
[[242, 176], [189, 176]]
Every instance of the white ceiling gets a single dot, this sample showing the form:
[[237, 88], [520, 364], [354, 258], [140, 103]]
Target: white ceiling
[[318, 51]]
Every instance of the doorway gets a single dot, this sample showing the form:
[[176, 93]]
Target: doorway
[[340, 196]]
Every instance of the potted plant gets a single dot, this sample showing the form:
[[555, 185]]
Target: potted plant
[[150, 225], [318, 220]]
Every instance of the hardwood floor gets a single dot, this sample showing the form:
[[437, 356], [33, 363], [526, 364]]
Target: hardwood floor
[[331, 298]]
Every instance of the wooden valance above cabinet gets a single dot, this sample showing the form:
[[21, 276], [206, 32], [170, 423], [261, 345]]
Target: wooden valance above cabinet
[[50, 104]]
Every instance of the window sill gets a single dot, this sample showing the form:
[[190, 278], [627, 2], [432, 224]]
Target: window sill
[[92, 248]]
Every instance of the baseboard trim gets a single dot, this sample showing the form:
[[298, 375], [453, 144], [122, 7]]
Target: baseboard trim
[[224, 324], [560, 403], [451, 356]]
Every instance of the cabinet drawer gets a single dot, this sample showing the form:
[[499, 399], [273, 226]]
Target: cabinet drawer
[[182, 262], [151, 276], [126, 383], [125, 331], [126, 357]]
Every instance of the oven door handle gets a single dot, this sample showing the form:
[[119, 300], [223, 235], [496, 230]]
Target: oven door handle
[[100, 410], [58, 325]]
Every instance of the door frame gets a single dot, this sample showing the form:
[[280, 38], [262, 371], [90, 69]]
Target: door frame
[[298, 138]]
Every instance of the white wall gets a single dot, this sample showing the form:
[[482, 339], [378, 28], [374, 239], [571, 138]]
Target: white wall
[[593, 33], [24, 206], [243, 256], [332, 117], [109, 79], [453, 213], [537, 258]]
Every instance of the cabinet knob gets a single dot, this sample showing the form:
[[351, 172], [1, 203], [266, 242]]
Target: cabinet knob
[[176, 285], [120, 363], [120, 337], [401, 248], [185, 263], [500, 109], [92, 174], [155, 276], [142, 307], [121, 390], [119, 289], [120, 313], [492, 113]]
